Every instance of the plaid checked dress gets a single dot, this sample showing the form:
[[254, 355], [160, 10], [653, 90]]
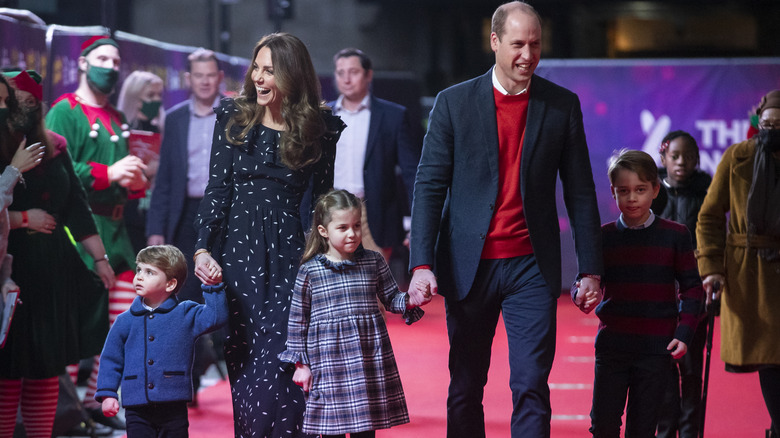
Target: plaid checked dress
[[336, 328]]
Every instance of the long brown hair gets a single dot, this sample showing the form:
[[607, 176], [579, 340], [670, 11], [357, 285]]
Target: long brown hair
[[326, 204], [301, 103]]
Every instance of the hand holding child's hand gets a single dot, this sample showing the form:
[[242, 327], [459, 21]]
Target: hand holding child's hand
[[110, 406], [422, 287], [302, 376], [678, 348], [588, 295], [207, 269]]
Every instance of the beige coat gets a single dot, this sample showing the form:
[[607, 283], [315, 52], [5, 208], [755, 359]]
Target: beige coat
[[750, 314]]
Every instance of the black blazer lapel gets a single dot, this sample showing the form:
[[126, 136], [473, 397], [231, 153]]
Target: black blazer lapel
[[485, 106], [377, 112]]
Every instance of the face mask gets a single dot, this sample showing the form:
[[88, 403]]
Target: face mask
[[151, 108], [770, 138], [27, 122], [102, 79], [3, 116]]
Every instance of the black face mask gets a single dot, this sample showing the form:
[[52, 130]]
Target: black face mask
[[27, 123], [770, 138]]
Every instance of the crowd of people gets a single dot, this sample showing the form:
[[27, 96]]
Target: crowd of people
[[137, 233]]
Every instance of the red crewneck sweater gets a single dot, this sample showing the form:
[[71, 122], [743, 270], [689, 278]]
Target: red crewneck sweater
[[508, 233]]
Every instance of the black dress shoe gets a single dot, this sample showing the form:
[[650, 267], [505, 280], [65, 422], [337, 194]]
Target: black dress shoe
[[88, 430], [112, 422]]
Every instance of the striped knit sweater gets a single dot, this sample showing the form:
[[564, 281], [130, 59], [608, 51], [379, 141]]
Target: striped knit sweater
[[642, 268]]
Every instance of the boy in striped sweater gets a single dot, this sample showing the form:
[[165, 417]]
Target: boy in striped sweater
[[647, 262]]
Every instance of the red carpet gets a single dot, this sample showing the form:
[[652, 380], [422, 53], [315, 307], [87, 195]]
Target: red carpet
[[735, 407]]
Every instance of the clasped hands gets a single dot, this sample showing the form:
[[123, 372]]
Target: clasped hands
[[589, 294], [422, 287]]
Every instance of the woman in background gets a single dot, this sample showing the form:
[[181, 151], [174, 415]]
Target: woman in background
[[739, 248], [140, 99], [63, 316]]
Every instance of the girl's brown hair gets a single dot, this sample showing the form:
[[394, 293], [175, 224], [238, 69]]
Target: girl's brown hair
[[301, 103], [333, 200]]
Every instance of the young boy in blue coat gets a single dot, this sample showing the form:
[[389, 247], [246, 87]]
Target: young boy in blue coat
[[150, 346]]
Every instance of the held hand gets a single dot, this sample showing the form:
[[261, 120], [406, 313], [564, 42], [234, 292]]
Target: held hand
[[110, 407], [106, 273], [27, 158], [589, 294], [155, 239], [40, 221], [207, 269], [302, 376], [677, 348], [711, 292], [423, 287]]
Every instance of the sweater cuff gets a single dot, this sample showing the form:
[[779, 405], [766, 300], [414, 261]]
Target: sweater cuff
[[219, 287], [100, 173]]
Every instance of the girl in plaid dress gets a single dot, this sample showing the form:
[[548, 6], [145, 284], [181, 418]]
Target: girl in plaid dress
[[337, 336]]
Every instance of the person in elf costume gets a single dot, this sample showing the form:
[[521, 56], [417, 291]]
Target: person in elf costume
[[97, 139]]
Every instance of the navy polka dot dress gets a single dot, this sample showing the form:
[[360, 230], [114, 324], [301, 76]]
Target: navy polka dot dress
[[250, 219]]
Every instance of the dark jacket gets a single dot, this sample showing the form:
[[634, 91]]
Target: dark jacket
[[682, 204], [457, 183]]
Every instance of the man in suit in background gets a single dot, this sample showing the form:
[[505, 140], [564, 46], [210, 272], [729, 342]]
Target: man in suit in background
[[485, 220], [376, 142], [182, 177]]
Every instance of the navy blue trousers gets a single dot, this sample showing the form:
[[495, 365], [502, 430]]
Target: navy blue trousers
[[158, 420], [515, 288]]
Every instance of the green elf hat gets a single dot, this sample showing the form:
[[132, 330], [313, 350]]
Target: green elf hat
[[26, 80], [95, 42]]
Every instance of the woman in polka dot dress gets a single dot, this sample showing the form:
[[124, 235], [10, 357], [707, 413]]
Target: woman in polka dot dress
[[270, 144]]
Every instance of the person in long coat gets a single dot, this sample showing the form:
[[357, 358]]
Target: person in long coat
[[742, 253]]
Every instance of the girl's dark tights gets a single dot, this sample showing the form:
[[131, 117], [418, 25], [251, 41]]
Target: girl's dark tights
[[366, 434], [770, 387]]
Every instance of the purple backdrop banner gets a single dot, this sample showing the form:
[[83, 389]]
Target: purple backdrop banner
[[635, 103], [22, 45]]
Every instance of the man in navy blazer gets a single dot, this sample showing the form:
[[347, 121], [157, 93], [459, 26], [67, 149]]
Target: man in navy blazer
[[484, 219], [375, 143]]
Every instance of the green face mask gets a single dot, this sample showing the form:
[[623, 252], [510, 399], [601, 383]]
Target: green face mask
[[102, 79], [151, 109], [3, 116]]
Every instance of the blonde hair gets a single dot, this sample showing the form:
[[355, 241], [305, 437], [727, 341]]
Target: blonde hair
[[299, 85], [130, 96], [168, 259], [326, 204]]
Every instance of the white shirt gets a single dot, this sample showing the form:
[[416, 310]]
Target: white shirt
[[497, 85], [351, 147], [199, 137]]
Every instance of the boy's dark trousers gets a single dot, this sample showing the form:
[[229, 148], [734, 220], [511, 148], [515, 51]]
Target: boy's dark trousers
[[639, 377], [158, 420], [681, 407]]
